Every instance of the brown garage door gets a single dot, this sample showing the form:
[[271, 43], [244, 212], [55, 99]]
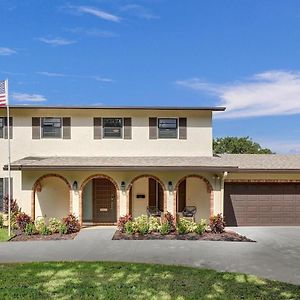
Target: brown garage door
[[263, 204]]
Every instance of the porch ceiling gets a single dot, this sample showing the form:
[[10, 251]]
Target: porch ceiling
[[121, 163]]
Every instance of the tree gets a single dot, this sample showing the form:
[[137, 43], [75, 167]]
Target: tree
[[236, 145]]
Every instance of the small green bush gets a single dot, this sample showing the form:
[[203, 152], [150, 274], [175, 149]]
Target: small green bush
[[201, 227], [129, 227], [1, 221], [153, 224], [186, 226], [45, 230], [141, 224], [54, 225], [39, 224], [63, 229], [164, 228], [30, 229], [182, 228]]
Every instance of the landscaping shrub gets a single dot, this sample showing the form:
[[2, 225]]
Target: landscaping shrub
[[14, 207], [129, 228], [63, 229], [169, 218], [72, 223], [45, 230], [22, 219], [54, 225], [122, 221], [217, 224], [201, 227], [39, 224], [1, 221], [186, 226], [164, 228], [142, 224], [30, 229], [153, 224]]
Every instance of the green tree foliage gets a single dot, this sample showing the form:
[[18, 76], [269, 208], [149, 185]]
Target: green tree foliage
[[238, 145]]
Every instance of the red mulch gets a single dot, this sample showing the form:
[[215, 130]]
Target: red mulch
[[39, 237], [207, 236]]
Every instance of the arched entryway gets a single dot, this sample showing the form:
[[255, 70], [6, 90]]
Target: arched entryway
[[99, 200], [194, 190], [143, 191], [51, 197]]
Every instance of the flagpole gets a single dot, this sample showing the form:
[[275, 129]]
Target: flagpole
[[9, 160]]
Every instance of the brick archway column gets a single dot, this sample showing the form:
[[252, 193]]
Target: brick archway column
[[146, 176], [38, 182]]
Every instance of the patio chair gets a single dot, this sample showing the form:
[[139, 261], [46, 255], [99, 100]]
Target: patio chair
[[189, 212], [153, 211]]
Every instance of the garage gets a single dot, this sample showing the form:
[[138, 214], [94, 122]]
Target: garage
[[262, 204]]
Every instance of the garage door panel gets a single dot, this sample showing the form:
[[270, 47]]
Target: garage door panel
[[247, 204]]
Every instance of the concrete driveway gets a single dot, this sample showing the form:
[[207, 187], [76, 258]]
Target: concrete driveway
[[275, 255]]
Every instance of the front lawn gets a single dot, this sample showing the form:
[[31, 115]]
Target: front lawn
[[98, 280], [4, 235]]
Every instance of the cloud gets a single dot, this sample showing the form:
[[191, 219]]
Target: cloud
[[7, 51], [139, 11], [264, 94], [56, 41], [94, 12], [92, 32], [23, 97], [94, 77]]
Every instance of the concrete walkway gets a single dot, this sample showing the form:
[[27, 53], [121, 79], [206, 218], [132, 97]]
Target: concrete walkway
[[276, 255]]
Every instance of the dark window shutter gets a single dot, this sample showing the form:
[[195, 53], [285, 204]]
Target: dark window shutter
[[97, 128], [152, 192], [127, 129], [182, 129], [5, 187], [181, 197], [152, 128], [10, 128], [36, 128], [2, 129], [66, 128]]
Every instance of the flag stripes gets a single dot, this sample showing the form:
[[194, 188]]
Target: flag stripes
[[3, 94]]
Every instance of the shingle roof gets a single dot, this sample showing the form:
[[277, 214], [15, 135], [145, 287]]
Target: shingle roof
[[225, 162]]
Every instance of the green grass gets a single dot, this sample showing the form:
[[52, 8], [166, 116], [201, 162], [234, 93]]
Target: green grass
[[98, 280], [4, 235]]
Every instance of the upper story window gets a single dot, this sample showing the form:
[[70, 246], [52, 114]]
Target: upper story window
[[112, 127], [167, 128], [51, 127], [1, 127], [4, 128]]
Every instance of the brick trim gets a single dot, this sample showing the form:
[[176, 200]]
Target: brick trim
[[209, 189], [262, 180], [129, 186], [38, 182], [93, 177]]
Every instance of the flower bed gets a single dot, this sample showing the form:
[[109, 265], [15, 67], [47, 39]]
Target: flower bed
[[144, 228], [20, 237]]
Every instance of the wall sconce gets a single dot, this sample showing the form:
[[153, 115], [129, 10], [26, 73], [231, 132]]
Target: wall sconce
[[170, 186], [75, 185], [123, 186]]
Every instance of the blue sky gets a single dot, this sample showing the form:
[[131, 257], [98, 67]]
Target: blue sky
[[241, 54]]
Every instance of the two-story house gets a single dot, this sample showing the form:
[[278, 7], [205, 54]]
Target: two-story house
[[103, 162]]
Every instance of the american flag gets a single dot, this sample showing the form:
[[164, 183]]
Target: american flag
[[3, 93]]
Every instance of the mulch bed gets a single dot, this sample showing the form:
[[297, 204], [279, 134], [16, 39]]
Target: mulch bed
[[38, 237], [230, 236]]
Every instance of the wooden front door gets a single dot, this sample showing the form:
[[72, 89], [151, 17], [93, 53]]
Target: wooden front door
[[104, 201]]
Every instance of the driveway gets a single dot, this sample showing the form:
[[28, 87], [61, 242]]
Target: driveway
[[275, 255]]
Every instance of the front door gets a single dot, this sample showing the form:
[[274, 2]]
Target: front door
[[104, 201]]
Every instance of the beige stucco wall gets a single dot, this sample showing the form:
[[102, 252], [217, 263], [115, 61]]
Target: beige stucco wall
[[139, 206], [53, 199], [23, 186]]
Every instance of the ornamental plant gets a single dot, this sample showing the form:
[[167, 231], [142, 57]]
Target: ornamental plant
[[164, 228], [30, 229], [72, 223], [63, 229], [54, 225], [201, 227], [217, 224], [122, 221], [14, 207], [186, 226], [45, 230], [22, 219], [153, 224], [39, 224], [169, 218], [1, 221], [142, 224], [129, 227]]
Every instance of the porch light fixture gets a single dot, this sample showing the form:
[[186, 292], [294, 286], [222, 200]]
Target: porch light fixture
[[170, 185], [123, 186], [75, 185]]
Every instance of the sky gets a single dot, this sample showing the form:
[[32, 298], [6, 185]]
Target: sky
[[244, 55]]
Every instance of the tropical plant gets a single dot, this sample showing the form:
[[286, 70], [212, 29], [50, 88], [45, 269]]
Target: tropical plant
[[45, 230], [14, 207], [169, 218], [72, 223], [129, 228], [201, 227], [186, 226], [30, 229], [153, 224], [141, 224], [54, 225], [63, 229], [22, 219], [122, 221], [164, 228], [217, 224], [39, 223], [1, 221]]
